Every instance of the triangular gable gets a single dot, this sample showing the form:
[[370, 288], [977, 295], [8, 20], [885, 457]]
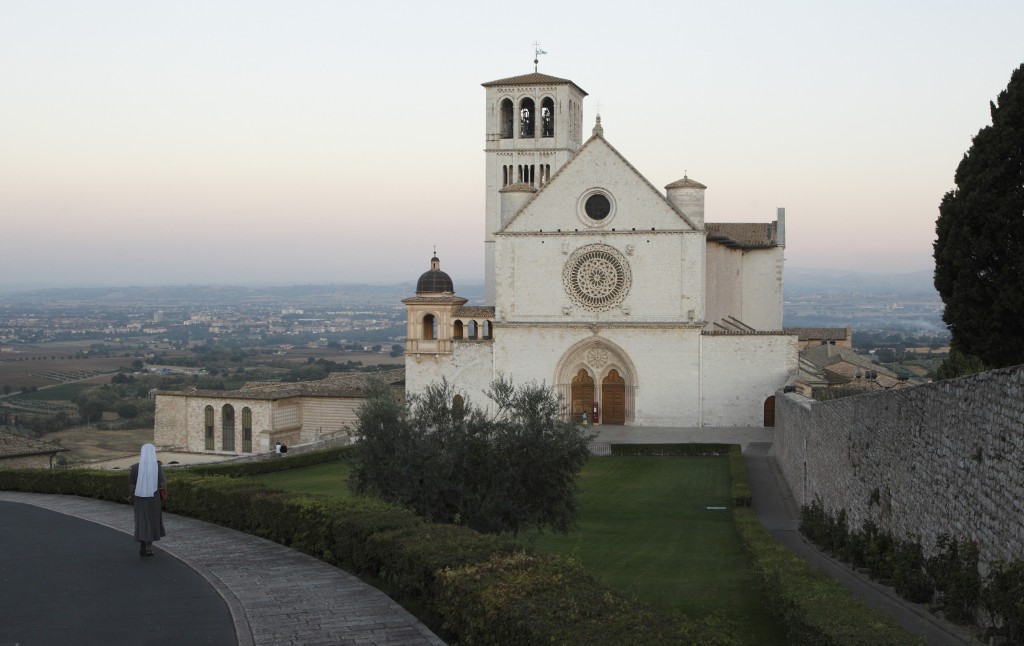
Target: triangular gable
[[597, 164]]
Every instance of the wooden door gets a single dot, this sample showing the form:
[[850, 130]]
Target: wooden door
[[582, 395], [769, 411], [613, 398]]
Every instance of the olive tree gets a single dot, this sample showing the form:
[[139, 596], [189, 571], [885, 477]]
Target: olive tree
[[505, 469]]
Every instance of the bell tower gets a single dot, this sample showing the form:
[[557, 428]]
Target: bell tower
[[534, 125]]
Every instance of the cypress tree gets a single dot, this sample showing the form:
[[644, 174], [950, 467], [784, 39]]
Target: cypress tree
[[979, 246]]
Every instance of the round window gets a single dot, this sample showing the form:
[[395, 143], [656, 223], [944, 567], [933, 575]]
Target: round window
[[596, 277], [597, 206]]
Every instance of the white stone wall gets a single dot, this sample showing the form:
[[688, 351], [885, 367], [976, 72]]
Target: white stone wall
[[920, 461], [662, 365], [761, 288], [170, 426], [745, 284], [325, 415], [37, 461], [470, 368], [724, 282], [180, 421], [665, 271], [287, 415], [741, 371]]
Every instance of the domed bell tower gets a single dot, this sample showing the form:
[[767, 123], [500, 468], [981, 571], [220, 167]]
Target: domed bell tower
[[534, 125], [429, 314]]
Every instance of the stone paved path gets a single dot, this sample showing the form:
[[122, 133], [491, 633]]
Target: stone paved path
[[275, 595]]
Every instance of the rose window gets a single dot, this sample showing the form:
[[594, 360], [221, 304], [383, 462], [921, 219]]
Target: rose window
[[596, 277]]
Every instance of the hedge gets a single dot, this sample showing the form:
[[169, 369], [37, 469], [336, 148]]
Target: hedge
[[476, 588], [690, 450], [445, 572], [816, 609]]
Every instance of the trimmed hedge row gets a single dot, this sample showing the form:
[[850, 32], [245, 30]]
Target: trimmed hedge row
[[523, 599], [816, 609], [276, 463], [740, 480], [694, 450], [448, 574]]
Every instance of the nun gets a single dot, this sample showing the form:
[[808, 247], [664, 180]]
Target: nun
[[148, 488]]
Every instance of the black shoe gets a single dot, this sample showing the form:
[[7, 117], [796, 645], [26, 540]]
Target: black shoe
[[149, 552], [142, 549]]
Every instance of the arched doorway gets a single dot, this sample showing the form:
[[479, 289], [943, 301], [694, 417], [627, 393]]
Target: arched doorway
[[597, 370], [769, 411], [582, 395], [613, 398]]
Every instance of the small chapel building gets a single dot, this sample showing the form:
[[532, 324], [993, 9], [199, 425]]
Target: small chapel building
[[620, 296]]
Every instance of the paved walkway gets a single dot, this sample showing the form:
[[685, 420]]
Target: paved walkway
[[226, 587], [205, 585]]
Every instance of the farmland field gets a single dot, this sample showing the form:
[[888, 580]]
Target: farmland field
[[87, 443], [45, 364]]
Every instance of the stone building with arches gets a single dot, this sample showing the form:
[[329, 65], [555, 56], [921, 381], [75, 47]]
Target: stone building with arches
[[261, 414], [620, 296]]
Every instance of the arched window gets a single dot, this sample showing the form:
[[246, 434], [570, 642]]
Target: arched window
[[457, 330], [506, 119], [547, 117], [208, 424], [458, 406], [487, 330], [227, 428], [527, 117], [247, 430], [429, 327], [472, 329]]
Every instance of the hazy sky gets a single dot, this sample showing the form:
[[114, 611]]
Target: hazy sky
[[312, 141]]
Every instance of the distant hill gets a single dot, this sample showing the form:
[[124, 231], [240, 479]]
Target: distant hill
[[799, 280], [347, 295]]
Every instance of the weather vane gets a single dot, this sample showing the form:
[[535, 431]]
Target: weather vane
[[537, 52]]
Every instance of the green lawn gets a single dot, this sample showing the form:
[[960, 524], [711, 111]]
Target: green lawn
[[329, 478], [644, 529]]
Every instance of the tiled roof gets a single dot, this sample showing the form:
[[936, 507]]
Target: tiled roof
[[823, 333], [686, 182], [13, 446], [445, 298], [742, 235], [337, 384], [486, 311], [533, 78], [518, 187], [826, 355]]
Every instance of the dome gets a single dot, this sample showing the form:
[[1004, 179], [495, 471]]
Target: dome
[[435, 281]]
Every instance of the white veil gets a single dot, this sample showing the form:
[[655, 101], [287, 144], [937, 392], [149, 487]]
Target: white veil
[[148, 478]]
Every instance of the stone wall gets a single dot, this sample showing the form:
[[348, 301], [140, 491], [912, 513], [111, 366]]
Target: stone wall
[[942, 457]]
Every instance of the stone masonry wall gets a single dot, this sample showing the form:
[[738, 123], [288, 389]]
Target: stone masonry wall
[[942, 457]]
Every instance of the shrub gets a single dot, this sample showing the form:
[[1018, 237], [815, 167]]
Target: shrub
[[1003, 598], [523, 599], [955, 572], [908, 575], [815, 608], [449, 461]]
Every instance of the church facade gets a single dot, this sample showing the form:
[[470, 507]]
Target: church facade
[[618, 295]]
